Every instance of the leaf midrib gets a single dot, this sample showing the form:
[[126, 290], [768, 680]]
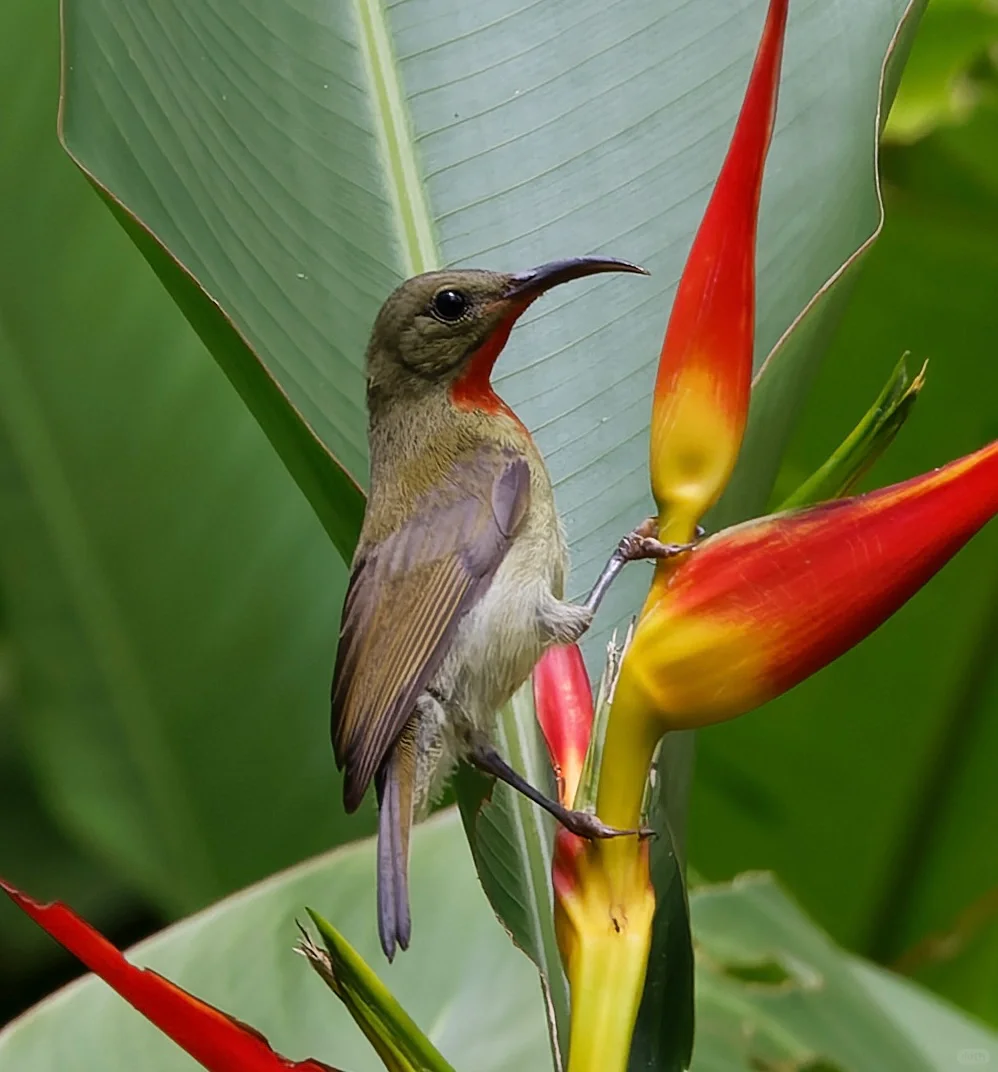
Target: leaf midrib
[[536, 849], [393, 127]]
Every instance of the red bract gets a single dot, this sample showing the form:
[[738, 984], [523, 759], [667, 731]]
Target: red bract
[[563, 700], [213, 1038], [604, 898], [705, 371], [757, 608]]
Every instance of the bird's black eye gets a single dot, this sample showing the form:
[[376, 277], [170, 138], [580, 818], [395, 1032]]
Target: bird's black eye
[[449, 305]]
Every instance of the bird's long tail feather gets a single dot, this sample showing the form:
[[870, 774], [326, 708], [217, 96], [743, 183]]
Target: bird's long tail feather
[[395, 789]]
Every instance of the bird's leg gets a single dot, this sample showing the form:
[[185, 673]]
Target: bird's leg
[[482, 755], [643, 542]]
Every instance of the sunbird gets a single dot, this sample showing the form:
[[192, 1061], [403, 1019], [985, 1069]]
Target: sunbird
[[457, 581]]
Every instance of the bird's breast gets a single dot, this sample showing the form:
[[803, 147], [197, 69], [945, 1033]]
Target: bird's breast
[[499, 642]]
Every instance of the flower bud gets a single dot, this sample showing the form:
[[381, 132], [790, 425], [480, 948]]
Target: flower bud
[[759, 607], [705, 371]]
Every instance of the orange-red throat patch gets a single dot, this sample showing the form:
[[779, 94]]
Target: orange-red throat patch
[[473, 390]]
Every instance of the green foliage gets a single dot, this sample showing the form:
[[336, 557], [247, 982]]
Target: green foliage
[[810, 1005], [389, 1028], [170, 598], [33, 847], [812, 1009], [951, 69], [846, 466]]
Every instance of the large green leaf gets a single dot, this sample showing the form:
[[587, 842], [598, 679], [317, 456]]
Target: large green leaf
[[471, 992], [772, 987], [512, 844], [299, 159], [881, 768], [949, 1039], [170, 598], [774, 994]]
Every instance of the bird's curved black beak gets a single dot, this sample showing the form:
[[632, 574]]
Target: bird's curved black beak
[[534, 282]]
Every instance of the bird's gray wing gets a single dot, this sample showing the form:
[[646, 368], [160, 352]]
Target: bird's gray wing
[[404, 601]]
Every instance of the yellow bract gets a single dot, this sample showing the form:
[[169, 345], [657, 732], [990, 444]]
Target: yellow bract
[[694, 447], [688, 672], [604, 931]]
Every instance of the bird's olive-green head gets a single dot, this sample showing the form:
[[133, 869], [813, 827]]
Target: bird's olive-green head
[[434, 327]]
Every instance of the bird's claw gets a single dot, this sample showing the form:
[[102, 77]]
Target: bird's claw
[[586, 825], [643, 542]]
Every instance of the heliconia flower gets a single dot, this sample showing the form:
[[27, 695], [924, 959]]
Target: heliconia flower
[[563, 700], [605, 974], [605, 901], [213, 1038], [759, 607], [705, 371], [746, 615]]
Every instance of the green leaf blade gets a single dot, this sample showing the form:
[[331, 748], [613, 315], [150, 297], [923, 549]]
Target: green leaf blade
[[169, 601], [860, 450], [255, 148], [390, 1029], [512, 842], [772, 986]]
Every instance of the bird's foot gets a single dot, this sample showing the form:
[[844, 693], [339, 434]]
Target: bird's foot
[[586, 825], [643, 542]]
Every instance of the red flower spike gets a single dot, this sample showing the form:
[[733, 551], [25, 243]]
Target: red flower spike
[[759, 607], [705, 372], [563, 700], [698, 421], [566, 883], [213, 1038]]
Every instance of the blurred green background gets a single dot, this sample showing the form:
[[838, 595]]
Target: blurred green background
[[190, 593]]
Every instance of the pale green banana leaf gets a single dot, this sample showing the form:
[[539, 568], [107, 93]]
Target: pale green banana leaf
[[775, 995]]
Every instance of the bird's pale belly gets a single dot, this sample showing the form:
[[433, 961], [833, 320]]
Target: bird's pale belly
[[495, 648]]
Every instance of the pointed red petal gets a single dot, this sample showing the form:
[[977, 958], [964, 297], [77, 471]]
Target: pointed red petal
[[705, 371], [211, 1037], [563, 700], [758, 608]]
